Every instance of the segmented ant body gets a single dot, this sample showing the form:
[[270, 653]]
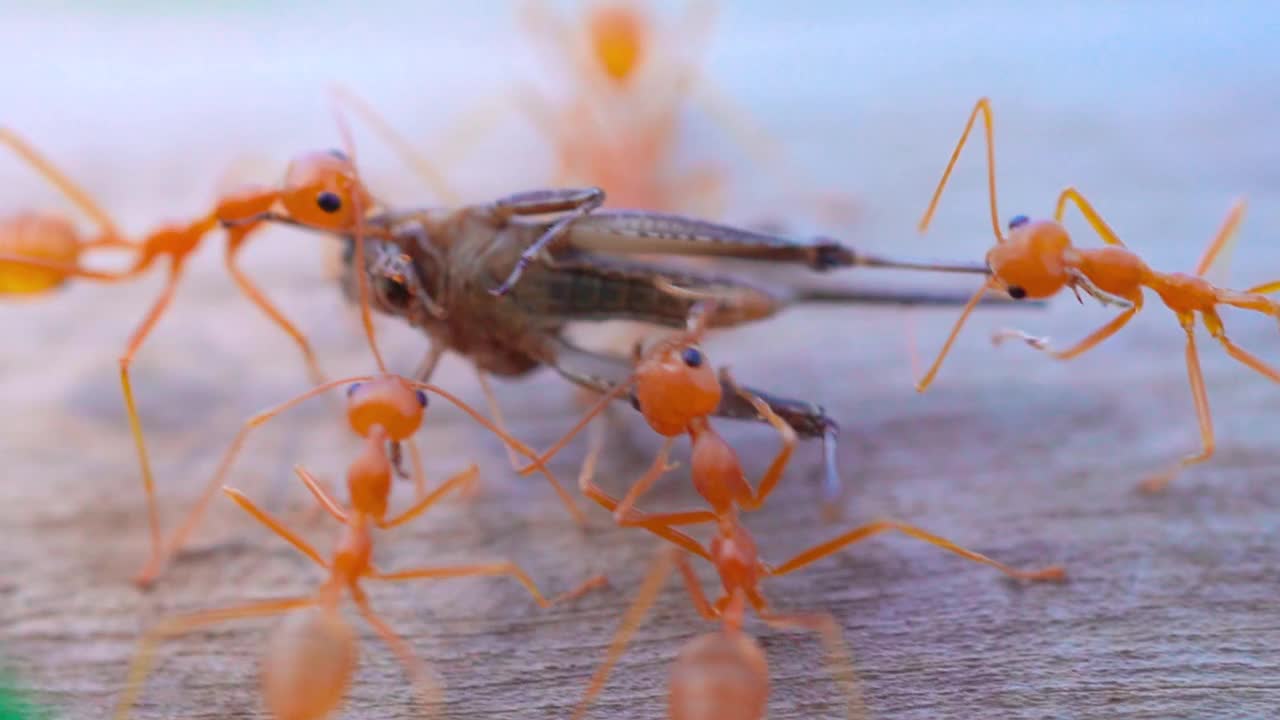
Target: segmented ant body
[[1037, 259], [310, 658]]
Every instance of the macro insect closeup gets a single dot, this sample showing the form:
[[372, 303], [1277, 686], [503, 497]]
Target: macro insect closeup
[[580, 359]]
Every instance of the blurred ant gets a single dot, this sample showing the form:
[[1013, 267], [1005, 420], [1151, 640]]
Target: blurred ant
[[390, 393], [41, 251], [311, 656], [1037, 260]]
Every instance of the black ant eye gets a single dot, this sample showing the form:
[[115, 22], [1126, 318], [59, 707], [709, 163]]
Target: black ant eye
[[351, 389], [1018, 221], [329, 202], [1017, 292], [422, 398], [692, 357]]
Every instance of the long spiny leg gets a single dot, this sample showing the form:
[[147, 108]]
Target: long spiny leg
[[1095, 220], [983, 107], [575, 203], [186, 623], [1157, 482], [839, 659], [645, 597], [1092, 340], [872, 529]]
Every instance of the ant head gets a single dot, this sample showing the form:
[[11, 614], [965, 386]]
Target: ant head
[[321, 190], [619, 36], [1029, 264], [674, 385], [387, 402]]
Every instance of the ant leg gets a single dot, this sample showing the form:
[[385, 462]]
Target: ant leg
[[839, 659], [508, 569], [135, 422], [235, 239], [983, 106], [429, 692], [274, 525], [660, 525], [424, 168], [520, 447], [645, 597], [1226, 232], [323, 498], [574, 204], [460, 479], [65, 184], [696, 593], [927, 380], [1095, 338], [1265, 288], [1157, 482], [495, 410], [779, 464], [1099, 225], [871, 529], [657, 469], [427, 367], [1247, 358], [178, 537], [179, 625]]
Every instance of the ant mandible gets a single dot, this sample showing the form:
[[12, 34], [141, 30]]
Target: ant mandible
[[41, 251], [1037, 260], [311, 657]]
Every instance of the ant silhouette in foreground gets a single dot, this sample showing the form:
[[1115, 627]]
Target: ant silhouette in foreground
[[348, 191], [311, 656], [41, 251], [1037, 260]]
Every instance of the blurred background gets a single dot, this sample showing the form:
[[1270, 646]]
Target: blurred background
[[1161, 113]]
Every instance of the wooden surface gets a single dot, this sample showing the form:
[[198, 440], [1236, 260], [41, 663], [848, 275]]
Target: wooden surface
[[1169, 611]]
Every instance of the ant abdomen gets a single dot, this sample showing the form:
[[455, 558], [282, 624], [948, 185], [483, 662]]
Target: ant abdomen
[[719, 676], [308, 665], [37, 236]]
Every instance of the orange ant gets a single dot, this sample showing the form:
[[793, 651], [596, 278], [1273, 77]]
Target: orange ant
[[1037, 260], [40, 251], [311, 657], [726, 670], [386, 401]]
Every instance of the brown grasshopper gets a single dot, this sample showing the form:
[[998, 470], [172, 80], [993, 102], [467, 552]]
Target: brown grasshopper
[[499, 282]]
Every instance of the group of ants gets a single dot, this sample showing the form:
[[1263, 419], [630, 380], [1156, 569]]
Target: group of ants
[[311, 657]]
